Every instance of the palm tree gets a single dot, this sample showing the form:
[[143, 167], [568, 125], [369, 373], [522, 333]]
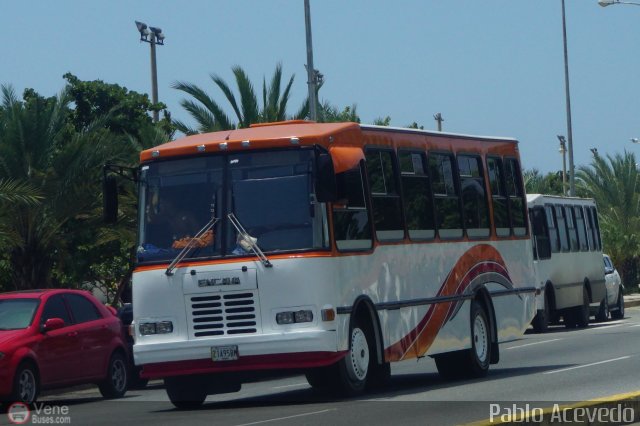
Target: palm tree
[[210, 116], [39, 150], [614, 182]]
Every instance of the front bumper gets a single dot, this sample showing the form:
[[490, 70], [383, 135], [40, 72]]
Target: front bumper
[[300, 349]]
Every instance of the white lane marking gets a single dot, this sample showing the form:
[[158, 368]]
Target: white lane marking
[[288, 417], [291, 386], [604, 327], [587, 365], [534, 343], [635, 325]]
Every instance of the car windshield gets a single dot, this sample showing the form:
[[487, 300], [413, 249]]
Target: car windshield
[[17, 314], [270, 193]]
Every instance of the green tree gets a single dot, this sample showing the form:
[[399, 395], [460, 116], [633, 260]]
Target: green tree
[[536, 183], [122, 111], [210, 116], [41, 150], [331, 114], [614, 182]]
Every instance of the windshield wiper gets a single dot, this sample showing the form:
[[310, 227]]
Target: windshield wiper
[[183, 253], [249, 240]]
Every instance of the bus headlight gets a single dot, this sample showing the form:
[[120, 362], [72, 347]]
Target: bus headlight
[[160, 327], [291, 317]]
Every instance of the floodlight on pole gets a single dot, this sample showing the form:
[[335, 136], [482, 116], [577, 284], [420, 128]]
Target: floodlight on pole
[[605, 3], [153, 36], [563, 151]]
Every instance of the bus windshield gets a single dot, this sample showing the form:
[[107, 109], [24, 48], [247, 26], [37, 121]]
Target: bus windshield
[[270, 193]]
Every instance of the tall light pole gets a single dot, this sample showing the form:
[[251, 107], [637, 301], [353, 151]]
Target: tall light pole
[[153, 36], [313, 76], [563, 151], [572, 186]]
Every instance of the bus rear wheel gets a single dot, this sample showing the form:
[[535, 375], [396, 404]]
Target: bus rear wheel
[[473, 362]]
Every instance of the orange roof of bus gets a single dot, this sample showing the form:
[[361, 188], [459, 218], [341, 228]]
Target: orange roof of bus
[[269, 135]]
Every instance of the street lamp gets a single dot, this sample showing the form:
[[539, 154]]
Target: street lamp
[[563, 151], [605, 3], [153, 36], [572, 186], [314, 78], [635, 140]]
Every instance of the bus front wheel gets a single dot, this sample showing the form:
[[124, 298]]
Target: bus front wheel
[[354, 368], [186, 393]]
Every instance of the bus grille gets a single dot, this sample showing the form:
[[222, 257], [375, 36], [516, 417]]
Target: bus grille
[[223, 314]]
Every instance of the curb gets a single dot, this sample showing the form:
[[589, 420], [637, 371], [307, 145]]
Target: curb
[[599, 411], [631, 303]]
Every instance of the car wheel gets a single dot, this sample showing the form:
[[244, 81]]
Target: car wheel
[[25, 384], [186, 393], [619, 313], [603, 311], [115, 384]]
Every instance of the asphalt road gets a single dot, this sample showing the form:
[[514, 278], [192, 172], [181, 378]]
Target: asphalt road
[[556, 367]]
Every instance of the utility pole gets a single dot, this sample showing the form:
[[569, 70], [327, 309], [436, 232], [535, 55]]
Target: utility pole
[[311, 72], [438, 117], [572, 185]]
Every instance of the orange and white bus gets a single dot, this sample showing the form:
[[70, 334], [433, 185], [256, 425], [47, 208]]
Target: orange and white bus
[[331, 248]]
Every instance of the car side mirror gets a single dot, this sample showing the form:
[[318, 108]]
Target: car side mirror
[[608, 271], [52, 324]]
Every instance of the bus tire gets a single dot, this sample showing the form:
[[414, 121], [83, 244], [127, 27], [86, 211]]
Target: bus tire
[[355, 367], [541, 320], [582, 311], [185, 393], [473, 362], [603, 311], [619, 312], [479, 356], [322, 379]]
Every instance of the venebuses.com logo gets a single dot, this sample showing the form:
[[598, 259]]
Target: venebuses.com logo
[[19, 413]]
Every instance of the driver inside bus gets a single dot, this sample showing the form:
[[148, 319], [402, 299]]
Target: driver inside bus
[[173, 226]]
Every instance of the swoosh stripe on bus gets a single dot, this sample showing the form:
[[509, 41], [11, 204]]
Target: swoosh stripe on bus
[[478, 260]]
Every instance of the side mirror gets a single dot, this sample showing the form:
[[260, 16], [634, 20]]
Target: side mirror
[[110, 199], [608, 271], [52, 324], [325, 177]]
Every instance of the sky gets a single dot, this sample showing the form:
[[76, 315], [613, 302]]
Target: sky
[[490, 67]]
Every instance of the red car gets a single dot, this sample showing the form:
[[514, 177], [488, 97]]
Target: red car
[[58, 338]]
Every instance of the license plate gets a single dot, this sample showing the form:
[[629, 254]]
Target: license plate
[[224, 353]]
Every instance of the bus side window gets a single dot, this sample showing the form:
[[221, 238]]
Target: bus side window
[[541, 240], [580, 224], [499, 197], [474, 196], [552, 225], [589, 223], [352, 229], [445, 194], [571, 225], [416, 194], [517, 202], [596, 229], [385, 197], [562, 228]]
